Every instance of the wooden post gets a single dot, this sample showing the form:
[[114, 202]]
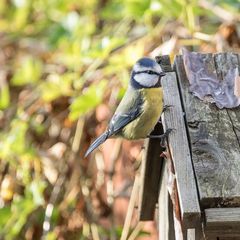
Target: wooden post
[[165, 208], [214, 136], [222, 223], [179, 148], [191, 234], [205, 150], [150, 176]]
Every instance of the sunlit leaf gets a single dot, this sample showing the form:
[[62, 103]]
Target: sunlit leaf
[[113, 7], [14, 141], [51, 236], [5, 214], [136, 8], [22, 12], [36, 189], [7, 187], [29, 71], [21, 208], [87, 101], [56, 32], [4, 96], [57, 86]]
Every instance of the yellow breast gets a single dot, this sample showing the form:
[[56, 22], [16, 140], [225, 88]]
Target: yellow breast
[[152, 109]]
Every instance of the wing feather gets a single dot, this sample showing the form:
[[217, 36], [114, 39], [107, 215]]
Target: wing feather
[[128, 110]]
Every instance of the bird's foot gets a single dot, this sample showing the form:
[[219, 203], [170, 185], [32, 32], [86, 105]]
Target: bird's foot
[[166, 107], [163, 137]]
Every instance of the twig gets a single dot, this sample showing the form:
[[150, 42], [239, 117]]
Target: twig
[[58, 185], [110, 192], [136, 231], [78, 135], [78, 174], [203, 36], [49, 209], [218, 11], [131, 205], [94, 231]]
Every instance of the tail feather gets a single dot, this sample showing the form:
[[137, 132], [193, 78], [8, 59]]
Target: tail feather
[[96, 143]]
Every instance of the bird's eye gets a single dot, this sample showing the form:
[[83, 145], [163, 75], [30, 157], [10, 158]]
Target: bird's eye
[[150, 72]]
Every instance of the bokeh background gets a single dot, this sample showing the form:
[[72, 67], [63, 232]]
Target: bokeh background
[[64, 66]]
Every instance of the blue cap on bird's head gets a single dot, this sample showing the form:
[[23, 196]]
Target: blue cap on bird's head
[[146, 62], [146, 73]]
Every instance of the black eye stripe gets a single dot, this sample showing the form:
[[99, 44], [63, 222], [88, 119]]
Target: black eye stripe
[[161, 74], [148, 72]]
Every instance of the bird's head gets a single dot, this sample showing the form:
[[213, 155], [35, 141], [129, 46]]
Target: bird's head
[[146, 73]]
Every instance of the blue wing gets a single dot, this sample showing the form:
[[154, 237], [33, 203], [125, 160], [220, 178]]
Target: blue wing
[[128, 110]]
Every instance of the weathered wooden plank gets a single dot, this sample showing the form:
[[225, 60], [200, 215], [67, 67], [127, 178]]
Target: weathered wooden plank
[[212, 140], [232, 235], [230, 142], [222, 217], [191, 234], [222, 234], [150, 176], [165, 63], [235, 113], [225, 61], [165, 209], [180, 153], [222, 223]]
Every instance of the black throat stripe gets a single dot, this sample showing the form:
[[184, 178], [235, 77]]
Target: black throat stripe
[[148, 72]]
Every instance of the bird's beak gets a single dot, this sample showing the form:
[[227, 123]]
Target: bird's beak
[[162, 74]]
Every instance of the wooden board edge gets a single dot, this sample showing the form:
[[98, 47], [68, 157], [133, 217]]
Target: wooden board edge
[[150, 177], [188, 197]]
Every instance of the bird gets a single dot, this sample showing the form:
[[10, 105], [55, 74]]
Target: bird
[[141, 106]]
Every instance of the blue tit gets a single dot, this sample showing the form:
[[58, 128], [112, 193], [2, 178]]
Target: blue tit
[[141, 106]]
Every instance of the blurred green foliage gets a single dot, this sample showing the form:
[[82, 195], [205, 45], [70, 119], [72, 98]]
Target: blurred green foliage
[[13, 219], [55, 50]]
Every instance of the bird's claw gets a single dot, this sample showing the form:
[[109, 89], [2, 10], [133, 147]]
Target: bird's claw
[[166, 107], [164, 139], [163, 136]]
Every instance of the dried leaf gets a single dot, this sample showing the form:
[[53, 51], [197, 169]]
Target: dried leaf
[[205, 84], [166, 48], [7, 188]]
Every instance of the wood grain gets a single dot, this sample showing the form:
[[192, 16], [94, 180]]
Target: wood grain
[[220, 217], [222, 223], [214, 144], [225, 61], [150, 176], [191, 235], [180, 153], [165, 213]]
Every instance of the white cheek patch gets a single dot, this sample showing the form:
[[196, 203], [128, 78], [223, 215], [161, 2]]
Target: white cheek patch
[[157, 68], [146, 80]]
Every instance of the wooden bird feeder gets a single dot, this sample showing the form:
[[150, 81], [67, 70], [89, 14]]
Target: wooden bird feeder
[[195, 188]]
